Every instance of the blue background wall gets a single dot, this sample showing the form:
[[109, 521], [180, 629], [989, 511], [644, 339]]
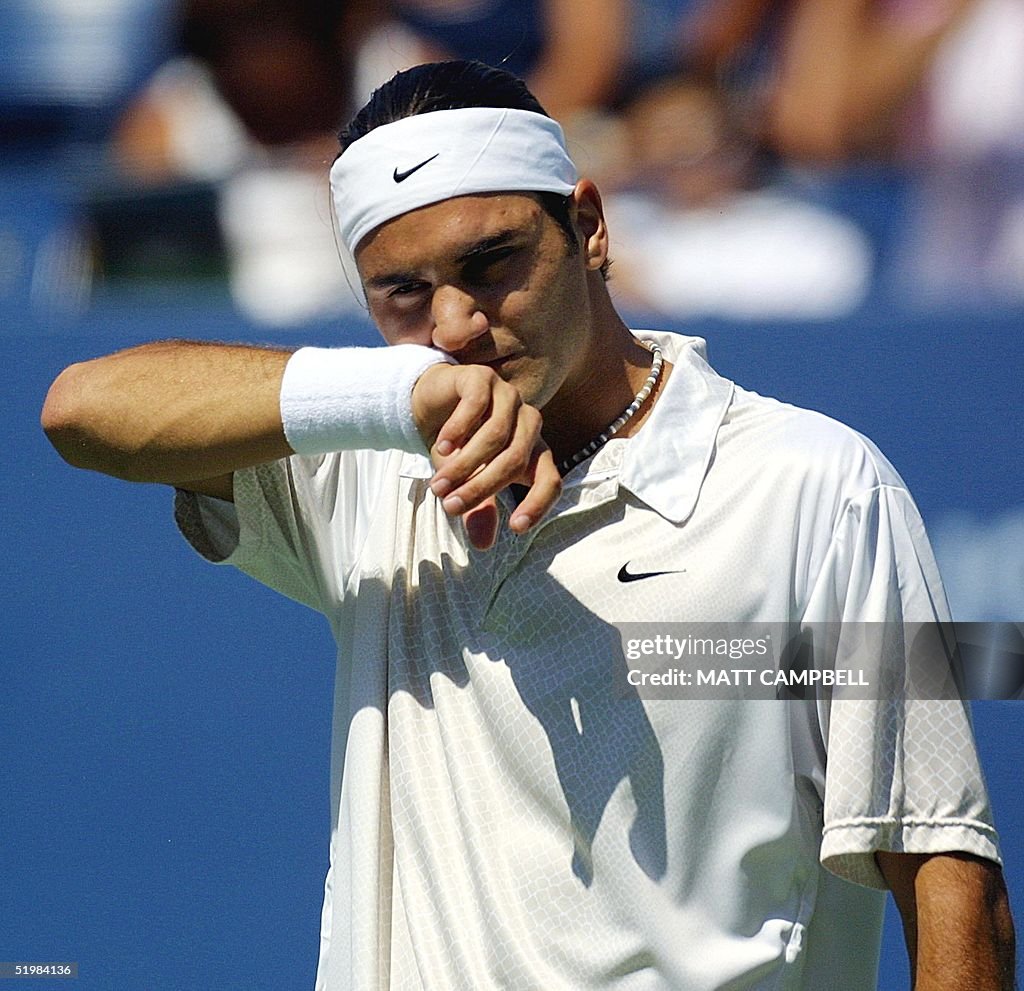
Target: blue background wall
[[166, 724]]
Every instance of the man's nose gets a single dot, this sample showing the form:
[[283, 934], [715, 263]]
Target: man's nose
[[458, 319]]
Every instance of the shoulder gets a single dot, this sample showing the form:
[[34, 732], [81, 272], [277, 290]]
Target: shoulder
[[713, 437], [811, 474], [776, 433], [780, 438], [770, 433]]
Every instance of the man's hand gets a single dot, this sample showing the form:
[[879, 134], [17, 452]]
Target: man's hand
[[956, 920], [483, 438]]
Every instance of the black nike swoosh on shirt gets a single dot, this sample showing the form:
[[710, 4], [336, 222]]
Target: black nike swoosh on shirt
[[402, 176], [626, 576]]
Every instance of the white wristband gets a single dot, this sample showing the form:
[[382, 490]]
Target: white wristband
[[339, 399]]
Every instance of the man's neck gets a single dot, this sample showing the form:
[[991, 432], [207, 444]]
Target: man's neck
[[616, 370]]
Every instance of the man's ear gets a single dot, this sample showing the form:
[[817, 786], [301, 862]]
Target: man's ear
[[591, 223]]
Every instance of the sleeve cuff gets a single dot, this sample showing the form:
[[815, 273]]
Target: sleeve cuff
[[848, 848], [211, 526]]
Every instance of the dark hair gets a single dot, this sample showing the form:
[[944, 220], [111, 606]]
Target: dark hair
[[439, 86], [455, 85]]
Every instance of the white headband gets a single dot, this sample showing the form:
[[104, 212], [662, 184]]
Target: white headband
[[430, 157]]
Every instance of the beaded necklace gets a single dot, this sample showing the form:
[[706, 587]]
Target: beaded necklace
[[610, 431]]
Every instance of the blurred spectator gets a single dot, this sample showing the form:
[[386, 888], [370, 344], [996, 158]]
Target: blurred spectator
[[707, 123], [965, 236], [570, 52], [283, 66], [711, 203], [253, 106], [817, 81], [278, 71], [838, 73], [67, 67], [180, 128]]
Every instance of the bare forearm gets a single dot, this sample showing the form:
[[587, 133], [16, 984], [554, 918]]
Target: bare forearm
[[191, 414], [171, 411], [956, 917], [965, 934]]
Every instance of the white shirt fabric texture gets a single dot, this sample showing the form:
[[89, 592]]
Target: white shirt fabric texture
[[501, 818]]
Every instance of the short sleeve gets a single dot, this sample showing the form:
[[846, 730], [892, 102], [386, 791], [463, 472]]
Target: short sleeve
[[296, 525], [902, 773]]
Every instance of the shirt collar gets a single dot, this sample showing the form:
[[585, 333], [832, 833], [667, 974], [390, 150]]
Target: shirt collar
[[666, 461]]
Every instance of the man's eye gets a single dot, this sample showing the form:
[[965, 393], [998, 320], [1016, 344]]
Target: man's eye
[[406, 289], [489, 267]]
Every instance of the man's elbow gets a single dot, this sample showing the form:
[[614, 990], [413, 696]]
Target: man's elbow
[[63, 416], [73, 418]]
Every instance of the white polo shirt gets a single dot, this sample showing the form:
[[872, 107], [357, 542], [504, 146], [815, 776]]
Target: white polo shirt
[[503, 819]]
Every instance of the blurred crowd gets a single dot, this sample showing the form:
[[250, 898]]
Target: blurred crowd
[[759, 158]]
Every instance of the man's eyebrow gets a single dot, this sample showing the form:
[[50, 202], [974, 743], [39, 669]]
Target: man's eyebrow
[[497, 240], [391, 279]]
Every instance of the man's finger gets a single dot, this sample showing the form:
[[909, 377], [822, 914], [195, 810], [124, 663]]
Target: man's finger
[[452, 402], [473, 407], [486, 437], [545, 488], [481, 524], [490, 462]]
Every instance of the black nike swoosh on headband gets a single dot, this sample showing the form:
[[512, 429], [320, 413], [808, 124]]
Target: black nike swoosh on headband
[[402, 176]]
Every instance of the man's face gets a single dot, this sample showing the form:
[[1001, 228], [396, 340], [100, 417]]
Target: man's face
[[490, 279]]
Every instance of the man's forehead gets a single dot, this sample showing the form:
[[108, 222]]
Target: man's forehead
[[448, 229]]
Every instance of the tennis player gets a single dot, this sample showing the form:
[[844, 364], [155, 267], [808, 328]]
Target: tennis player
[[474, 509]]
